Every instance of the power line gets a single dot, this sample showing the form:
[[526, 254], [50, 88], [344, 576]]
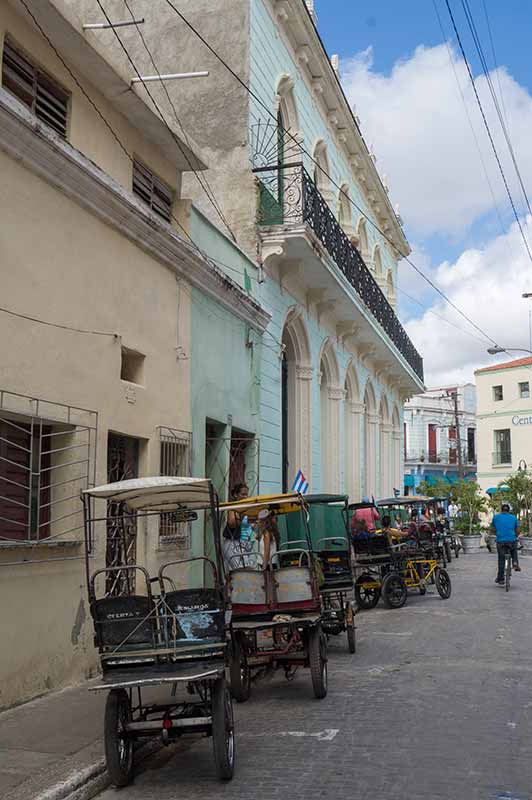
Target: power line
[[320, 167], [439, 316], [480, 51], [57, 324], [484, 168], [495, 64], [161, 115], [488, 130]]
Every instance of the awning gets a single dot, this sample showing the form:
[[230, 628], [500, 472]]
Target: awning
[[409, 480], [157, 493], [495, 489]]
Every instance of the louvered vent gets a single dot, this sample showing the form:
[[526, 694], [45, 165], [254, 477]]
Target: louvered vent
[[153, 191], [47, 100]]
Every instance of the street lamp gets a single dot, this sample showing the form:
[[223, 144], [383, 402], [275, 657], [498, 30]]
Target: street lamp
[[493, 351]]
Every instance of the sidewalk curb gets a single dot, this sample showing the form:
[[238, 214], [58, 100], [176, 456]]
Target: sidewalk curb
[[86, 783]]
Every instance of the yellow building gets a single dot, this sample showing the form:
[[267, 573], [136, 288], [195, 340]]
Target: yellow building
[[97, 276], [504, 420]]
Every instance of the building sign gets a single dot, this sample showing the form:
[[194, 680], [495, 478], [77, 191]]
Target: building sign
[[517, 420]]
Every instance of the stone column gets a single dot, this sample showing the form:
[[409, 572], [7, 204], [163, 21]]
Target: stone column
[[397, 472], [303, 420], [335, 395], [372, 454], [386, 459], [354, 417]]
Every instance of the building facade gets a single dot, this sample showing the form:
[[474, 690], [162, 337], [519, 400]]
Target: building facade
[[106, 307], [504, 420], [434, 441], [301, 193]]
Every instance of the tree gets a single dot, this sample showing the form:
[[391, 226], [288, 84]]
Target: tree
[[439, 489], [471, 501]]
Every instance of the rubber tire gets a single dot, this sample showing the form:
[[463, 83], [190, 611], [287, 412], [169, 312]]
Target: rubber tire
[[350, 627], [222, 728], [117, 710], [317, 648], [448, 552], [363, 603], [507, 576], [443, 583], [422, 590], [239, 674], [456, 551], [390, 581]]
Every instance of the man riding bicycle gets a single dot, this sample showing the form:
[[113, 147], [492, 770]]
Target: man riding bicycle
[[506, 527]]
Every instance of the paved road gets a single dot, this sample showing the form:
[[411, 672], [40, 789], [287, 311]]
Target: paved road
[[435, 705]]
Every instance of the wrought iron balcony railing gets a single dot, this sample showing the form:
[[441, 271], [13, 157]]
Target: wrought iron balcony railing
[[288, 196]]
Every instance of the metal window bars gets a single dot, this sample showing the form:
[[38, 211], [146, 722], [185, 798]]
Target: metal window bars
[[47, 456], [175, 460]]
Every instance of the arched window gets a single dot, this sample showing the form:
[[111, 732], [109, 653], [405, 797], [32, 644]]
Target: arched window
[[345, 210], [362, 236], [385, 447], [296, 384], [390, 288], [370, 442], [377, 260]]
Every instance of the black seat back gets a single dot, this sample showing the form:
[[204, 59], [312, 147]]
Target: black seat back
[[126, 621], [194, 615]]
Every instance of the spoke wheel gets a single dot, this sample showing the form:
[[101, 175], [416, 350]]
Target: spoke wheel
[[317, 654], [443, 584], [366, 598], [394, 591], [507, 574], [223, 731], [118, 745], [239, 673]]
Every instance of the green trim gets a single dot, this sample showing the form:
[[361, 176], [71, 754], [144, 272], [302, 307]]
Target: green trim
[[511, 413]]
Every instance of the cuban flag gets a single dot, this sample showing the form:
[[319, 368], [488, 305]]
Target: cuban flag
[[300, 484]]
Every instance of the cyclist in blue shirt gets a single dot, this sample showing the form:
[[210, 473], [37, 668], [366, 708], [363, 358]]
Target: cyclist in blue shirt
[[506, 527]]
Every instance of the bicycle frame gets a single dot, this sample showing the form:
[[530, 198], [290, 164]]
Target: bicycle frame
[[412, 577]]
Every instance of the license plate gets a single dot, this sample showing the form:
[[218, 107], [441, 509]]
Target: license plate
[[333, 560]]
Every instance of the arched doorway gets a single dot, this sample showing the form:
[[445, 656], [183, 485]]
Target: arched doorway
[[385, 443], [397, 450], [322, 171], [331, 395], [296, 380]]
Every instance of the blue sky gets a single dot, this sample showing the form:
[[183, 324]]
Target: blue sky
[[407, 83]]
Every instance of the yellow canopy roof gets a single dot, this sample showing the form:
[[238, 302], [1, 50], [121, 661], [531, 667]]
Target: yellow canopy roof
[[278, 503]]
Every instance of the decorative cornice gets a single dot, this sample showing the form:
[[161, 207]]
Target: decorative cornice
[[40, 150]]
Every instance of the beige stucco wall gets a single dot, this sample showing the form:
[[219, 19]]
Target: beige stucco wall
[[87, 132], [61, 264], [512, 412]]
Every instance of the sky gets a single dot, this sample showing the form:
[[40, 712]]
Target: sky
[[411, 90]]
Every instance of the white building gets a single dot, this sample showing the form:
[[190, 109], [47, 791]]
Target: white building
[[432, 436], [504, 420]]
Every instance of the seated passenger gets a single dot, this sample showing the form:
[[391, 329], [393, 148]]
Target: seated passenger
[[394, 535], [368, 515], [267, 536]]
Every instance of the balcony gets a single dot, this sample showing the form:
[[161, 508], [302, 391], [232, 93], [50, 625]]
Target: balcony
[[502, 458], [289, 197]]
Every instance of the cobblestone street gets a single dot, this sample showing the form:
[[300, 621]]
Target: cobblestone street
[[435, 705]]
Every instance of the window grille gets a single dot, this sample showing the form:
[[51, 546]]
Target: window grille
[[46, 459], [155, 193], [37, 90], [176, 460]]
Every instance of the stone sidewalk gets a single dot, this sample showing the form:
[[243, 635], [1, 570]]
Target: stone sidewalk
[[50, 745]]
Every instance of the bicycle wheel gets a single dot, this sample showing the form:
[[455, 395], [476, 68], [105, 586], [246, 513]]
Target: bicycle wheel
[[507, 571]]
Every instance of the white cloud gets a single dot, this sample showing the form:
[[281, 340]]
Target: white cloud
[[416, 122], [486, 284]]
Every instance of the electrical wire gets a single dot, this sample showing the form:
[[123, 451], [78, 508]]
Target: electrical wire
[[485, 69], [324, 171], [481, 157], [495, 64], [57, 324], [439, 316], [488, 129], [161, 115]]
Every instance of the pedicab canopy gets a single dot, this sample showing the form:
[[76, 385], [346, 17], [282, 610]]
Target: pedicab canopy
[[158, 493], [277, 503]]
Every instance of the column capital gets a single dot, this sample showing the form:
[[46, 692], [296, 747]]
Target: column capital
[[304, 373], [374, 419], [336, 392], [356, 408], [386, 427]]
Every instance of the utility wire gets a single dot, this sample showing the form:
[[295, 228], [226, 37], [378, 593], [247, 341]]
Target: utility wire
[[488, 130], [485, 69], [320, 167], [57, 325], [481, 157], [439, 316], [161, 115], [495, 64]]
